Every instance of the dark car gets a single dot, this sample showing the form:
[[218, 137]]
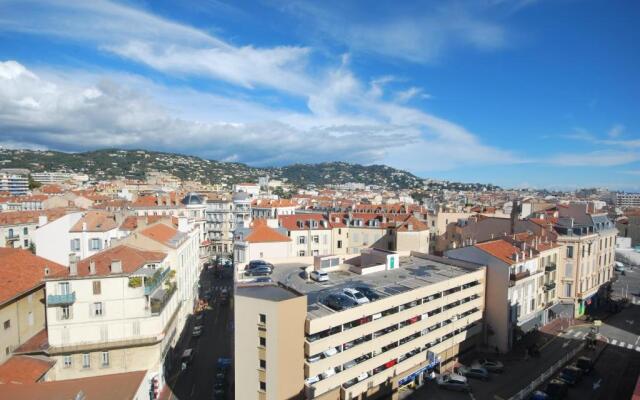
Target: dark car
[[339, 302], [585, 364], [368, 292], [258, 271], [556, 389], [257, 264], [571, 375]]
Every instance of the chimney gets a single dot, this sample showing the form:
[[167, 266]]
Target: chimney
[[116, 266], [42, 220], [73, 265], [84, 227], [92, 267], [183, 224]]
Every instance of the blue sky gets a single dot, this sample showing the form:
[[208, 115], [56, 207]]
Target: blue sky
[[517, 93]]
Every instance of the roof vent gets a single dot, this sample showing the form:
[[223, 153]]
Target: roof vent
[[46, 271], [92, 267]]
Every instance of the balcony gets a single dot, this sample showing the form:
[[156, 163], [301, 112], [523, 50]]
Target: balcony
[[550, 267], [158, 303], [11, 238], [516, 277], [61, 299], [549, 286], [153, 282]]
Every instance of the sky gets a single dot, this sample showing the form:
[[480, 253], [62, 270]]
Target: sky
[[519, 93]]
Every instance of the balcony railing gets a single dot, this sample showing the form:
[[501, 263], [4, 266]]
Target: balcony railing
[[12, 238], [151, 284], [61, 299], [157, 305], [549, 286], [550, 267], [520, 275]]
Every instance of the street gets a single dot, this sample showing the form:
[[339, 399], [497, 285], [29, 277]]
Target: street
[[196, 382]]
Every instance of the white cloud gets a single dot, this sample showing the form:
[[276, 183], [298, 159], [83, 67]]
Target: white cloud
[[601, 158], [616, 131], [404, 96], [420, 36]]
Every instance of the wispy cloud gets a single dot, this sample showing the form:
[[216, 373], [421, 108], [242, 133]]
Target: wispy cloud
[[603, 158], [616, 130]]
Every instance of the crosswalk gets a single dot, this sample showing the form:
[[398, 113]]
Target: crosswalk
[[571, 334]]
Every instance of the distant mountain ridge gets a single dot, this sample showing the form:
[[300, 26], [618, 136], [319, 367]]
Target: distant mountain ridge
[[134, 164]]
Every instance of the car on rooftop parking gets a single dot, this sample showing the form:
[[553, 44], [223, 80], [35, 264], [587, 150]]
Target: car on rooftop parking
[[355, 295], [368, 292], [339, 302]]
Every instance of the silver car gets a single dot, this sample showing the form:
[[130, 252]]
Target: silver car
[[453, 382], [475, 371]]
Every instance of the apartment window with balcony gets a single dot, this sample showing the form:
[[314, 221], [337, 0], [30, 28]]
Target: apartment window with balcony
[[86, 360], [97, 287], [67, 361], [104, 357]]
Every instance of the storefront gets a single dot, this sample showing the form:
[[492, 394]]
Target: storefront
[[418, 377]]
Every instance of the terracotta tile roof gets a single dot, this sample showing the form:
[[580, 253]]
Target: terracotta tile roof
[[301, 221], [168, 200], [132, 222], [122, 386], [132, 259], [261, 233], [51, 189], [97, 221], [30, 217], [22, 271], [24, 369], [38, 343], [38, 198], [268, 203], [163, 233], [503, 250]]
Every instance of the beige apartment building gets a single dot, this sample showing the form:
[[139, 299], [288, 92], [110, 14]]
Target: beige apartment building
[[423, 311], [22, 293], [589, 239]]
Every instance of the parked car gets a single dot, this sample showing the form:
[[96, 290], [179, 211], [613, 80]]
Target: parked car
[[489, 365], [312, 379], [258, 271], [257, 264], [570, 375], [453, 382], [339, 302], [263, 279], [330, 351], [585, 364], [319, 276], [620, 267], [197, 331], [314, 358], [539, 395], [328, 373], [362, 376], [556, 389], [368, 292], [475, 371], [355, 296]]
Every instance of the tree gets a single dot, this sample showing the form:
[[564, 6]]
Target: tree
[[33, 184], [32, 248]]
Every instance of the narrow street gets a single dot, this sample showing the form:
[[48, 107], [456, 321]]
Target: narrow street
[[196, 382]]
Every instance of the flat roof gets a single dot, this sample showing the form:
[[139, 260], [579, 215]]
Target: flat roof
[[266, 292], [414, 272]]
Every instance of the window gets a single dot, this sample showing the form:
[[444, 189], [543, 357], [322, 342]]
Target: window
[[316, 239], [263, 342], [94, 244], [86, 360], [263, 364], [569, 251], [533, 304], [25, 230], [7, 324], [75, 244], [263, 319], [301, 253], [105, 358], [97, 287], [97, 309], [263, 385], [11, 233], [26, 243], [67, 361], [339, 244], [65, 312], [567, 289], [301, 240]]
